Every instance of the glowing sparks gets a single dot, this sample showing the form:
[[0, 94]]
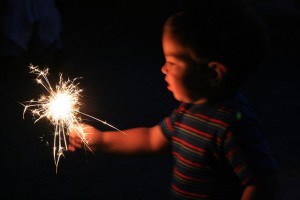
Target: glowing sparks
[[60, 106]]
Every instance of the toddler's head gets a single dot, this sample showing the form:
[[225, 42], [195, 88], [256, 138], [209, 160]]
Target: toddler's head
[[221, 43]]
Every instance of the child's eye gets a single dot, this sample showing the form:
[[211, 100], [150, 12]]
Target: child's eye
[[170, 63]]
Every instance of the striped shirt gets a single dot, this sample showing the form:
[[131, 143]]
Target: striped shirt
[[217, 149]]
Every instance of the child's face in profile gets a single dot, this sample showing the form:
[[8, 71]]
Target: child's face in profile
[[176, 68]]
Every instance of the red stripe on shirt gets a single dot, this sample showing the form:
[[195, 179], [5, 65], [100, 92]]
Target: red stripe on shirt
[[169, 124], [205, 117], [193, 130], [231, 152], [239, 167], [229, 135], [188, 145], [185, 193], [216, 121], [186, 161], [189, 178], [247, 179]]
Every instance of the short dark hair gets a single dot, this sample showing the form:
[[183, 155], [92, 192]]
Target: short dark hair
[[226, 31]]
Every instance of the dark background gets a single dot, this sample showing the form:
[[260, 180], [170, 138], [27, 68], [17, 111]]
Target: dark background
[[115, 46]]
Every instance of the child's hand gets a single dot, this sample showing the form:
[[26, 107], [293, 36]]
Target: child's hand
[[92, 136]]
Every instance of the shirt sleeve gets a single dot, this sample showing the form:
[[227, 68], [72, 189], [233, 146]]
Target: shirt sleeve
[[248, 153], [167, 125]]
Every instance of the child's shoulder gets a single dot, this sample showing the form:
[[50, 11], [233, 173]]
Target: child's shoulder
[[225, 113]]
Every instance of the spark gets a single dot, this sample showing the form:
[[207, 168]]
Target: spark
[[61, 106]]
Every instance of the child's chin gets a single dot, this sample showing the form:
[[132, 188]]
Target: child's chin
[[169, 87], [177, 97]]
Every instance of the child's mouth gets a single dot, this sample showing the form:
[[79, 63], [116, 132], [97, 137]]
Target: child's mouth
[[168, 85]]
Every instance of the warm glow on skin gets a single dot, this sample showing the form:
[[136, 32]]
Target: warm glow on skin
[[175, 69]]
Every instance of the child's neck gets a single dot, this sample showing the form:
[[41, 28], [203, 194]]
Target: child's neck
[[214, 99]]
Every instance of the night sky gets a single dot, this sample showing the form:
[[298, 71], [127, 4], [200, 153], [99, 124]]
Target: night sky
[[115, 46]]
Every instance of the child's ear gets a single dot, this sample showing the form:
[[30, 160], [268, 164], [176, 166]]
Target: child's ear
[[218, 70]]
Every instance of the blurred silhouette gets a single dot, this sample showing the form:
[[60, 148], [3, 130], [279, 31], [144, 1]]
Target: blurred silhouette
[[29, 32]]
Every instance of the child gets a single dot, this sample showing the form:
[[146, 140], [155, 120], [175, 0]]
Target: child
[[218, 148]]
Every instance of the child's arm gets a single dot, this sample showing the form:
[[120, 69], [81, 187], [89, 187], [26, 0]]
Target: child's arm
[[137, 141]]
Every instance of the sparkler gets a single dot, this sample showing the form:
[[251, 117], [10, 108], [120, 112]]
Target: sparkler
[[61, 107]]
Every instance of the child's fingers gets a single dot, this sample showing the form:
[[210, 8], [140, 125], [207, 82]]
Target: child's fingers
[[74, 137], [75, 145], [71, 148], [75, 142]]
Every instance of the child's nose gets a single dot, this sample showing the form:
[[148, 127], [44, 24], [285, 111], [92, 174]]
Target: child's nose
[[164, 69]]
